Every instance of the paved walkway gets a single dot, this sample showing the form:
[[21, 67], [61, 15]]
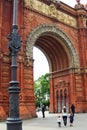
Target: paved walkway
[[49, 123]]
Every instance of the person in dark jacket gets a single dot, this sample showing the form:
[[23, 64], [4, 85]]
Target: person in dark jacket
[[71, 117], [73, 109], [43, 111]]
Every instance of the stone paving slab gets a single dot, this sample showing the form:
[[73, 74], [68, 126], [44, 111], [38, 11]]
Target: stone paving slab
[[50, 123]]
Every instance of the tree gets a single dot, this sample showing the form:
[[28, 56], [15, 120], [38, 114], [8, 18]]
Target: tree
[[42, 90]]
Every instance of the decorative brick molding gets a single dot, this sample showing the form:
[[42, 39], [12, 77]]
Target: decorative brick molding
[[53, 30]]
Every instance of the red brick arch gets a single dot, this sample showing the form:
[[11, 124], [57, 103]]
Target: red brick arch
[[61, 33]]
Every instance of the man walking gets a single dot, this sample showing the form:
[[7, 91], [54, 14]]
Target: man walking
[[43, 111]]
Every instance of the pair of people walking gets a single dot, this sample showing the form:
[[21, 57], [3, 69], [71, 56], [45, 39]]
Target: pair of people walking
[[64, 116]]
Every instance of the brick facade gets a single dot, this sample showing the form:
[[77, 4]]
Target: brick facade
[[61, 33]]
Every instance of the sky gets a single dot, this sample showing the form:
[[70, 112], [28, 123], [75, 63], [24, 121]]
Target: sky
[[73, 2], [40, 62]]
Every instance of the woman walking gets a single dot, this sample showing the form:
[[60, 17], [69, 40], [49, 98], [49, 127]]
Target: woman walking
[[64, 115]]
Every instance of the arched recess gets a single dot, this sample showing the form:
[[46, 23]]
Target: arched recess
[[55, 44]]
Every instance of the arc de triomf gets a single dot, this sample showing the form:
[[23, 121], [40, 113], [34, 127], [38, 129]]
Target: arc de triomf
[[60, 32]]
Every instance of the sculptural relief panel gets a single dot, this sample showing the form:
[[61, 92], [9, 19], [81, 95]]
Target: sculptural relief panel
[[50, 11]]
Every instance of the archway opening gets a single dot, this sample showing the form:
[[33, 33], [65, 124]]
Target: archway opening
[[41, 79], [56, 55]]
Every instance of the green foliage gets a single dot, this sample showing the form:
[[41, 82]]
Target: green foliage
[[46, 102], [37, 103], [42, 90]]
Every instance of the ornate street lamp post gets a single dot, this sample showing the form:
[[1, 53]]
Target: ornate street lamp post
[[13, 121]]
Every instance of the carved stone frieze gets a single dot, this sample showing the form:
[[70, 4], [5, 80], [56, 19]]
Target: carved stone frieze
[[52, 30], [50, 11]]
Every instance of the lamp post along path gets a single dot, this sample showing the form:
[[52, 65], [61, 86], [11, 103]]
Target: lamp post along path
[[14, 122]]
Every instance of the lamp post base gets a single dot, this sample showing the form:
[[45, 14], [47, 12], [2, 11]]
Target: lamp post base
[[14, 124]]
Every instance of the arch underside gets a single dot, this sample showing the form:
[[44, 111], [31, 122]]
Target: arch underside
[[56, 46], [54, 52]]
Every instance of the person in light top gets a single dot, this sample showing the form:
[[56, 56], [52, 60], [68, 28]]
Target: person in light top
[[59, 119], [64, 115]]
